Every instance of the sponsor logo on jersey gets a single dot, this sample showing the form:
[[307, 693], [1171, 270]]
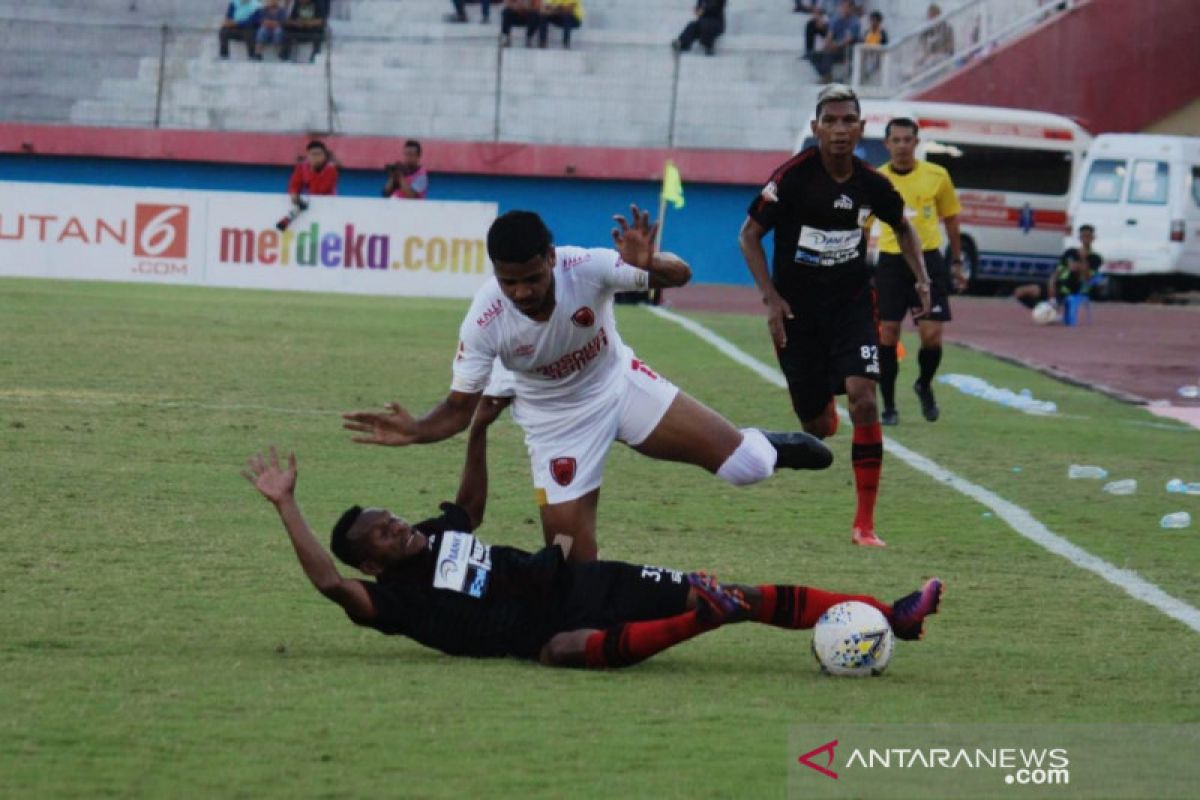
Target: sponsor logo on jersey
[[827, 248], [575, 360], [452, 557], [572, 261], [584, 317], [490, 314], [562, 470], [844, 202], [524, 350]]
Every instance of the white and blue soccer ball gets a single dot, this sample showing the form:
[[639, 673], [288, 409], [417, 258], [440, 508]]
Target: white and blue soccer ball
[[1044, 313], [853, 640]]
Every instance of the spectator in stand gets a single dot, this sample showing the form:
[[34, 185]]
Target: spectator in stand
[[270, 28], [827, 7], [566, 14], [241, 22], [875, 38], [844, 31], [937, 42], [707, 26], [460, 11], [306, 24], [407, 179], [526, 13], [815, 34], [876, 34]]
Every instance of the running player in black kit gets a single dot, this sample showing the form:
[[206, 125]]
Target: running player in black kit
[[439, 585], [821, 307]]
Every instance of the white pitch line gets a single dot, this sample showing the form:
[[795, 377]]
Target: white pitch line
[[1019, 519]]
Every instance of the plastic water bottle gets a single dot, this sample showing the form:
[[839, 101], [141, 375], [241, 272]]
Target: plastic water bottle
[[1180, 519], [1087, 471], [1127, 486], [1177, 486]]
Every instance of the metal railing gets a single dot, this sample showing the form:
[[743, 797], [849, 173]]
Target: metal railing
[[944, 44]]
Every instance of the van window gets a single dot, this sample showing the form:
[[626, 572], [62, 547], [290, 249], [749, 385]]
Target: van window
[[1196, 185], [1003, 169], [871, 151], [1105, 180], [1148, 182]]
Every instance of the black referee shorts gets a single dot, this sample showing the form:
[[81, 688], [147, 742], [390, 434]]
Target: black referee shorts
[[898, 291], [607, 593], [825, 345]]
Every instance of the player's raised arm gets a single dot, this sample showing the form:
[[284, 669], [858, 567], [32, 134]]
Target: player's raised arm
[[395, 427], [473, 487], [278, 485], [635, 242]]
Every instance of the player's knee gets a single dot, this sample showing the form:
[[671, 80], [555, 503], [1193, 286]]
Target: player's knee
[[751, 462], [562, 651], [863, 409]]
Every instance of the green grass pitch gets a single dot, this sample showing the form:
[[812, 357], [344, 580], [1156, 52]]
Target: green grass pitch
[[158, 638]]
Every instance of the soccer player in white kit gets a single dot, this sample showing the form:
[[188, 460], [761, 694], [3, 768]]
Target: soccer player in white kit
[[547, 319]]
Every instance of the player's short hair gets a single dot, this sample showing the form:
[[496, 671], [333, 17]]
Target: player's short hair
[[317, 144], [413, 143], [901, 122], [837, 93], [877, 15], [1086, 227], [517, 236], [348, 551]]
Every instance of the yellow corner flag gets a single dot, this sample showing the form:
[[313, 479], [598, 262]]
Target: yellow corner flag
[[672, 188]]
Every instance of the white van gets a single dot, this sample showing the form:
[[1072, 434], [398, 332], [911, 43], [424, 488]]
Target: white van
[[1013, 171], [1142, 194]]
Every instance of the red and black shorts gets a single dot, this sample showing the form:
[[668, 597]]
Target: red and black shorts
[[825, 345]]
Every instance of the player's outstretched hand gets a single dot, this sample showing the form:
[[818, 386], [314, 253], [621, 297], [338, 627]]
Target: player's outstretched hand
[[395, 428], [267, 475], [635, 242]]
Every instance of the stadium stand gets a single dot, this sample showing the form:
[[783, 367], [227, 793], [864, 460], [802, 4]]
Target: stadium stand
[[396, 68]]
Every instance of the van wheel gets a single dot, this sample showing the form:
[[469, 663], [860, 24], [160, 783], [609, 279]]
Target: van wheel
[[970, 255], [1125, 289]]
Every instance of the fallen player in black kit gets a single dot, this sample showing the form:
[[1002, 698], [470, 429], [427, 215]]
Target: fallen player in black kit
[[439, 585]]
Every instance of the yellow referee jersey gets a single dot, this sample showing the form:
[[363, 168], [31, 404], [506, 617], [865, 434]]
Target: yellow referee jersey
[[929, 197]]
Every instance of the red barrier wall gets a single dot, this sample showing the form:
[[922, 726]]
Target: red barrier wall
[[1116, 65], [371, 152]]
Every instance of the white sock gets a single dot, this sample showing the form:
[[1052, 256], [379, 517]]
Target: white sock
[[753, 461]]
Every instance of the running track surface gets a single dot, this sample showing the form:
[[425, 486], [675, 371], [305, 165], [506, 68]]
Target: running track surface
[[1140, 353]]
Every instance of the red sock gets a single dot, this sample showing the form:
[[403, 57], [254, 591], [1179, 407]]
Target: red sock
[[866, 454], [799, 607], [624, 645]]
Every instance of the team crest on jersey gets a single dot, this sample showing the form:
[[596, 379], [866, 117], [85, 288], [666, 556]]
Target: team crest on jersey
[[562, 470], [584, 317], [770, 192], [864, 214]]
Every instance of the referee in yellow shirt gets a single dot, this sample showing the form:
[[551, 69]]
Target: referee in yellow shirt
[[929, 200]]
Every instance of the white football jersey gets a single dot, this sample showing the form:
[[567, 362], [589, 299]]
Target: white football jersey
[[568, 361]]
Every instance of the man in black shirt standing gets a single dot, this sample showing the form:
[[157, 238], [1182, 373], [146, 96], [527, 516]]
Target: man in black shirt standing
[[440, 586], [821, 306]]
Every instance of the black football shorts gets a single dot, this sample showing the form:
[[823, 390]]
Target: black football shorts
[[825, 345], [898, 292]]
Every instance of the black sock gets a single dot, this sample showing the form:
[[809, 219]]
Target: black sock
[[887, 375], [929, 358]]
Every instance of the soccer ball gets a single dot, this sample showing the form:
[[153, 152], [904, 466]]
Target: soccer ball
[[1044, 313], [853, 640]]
